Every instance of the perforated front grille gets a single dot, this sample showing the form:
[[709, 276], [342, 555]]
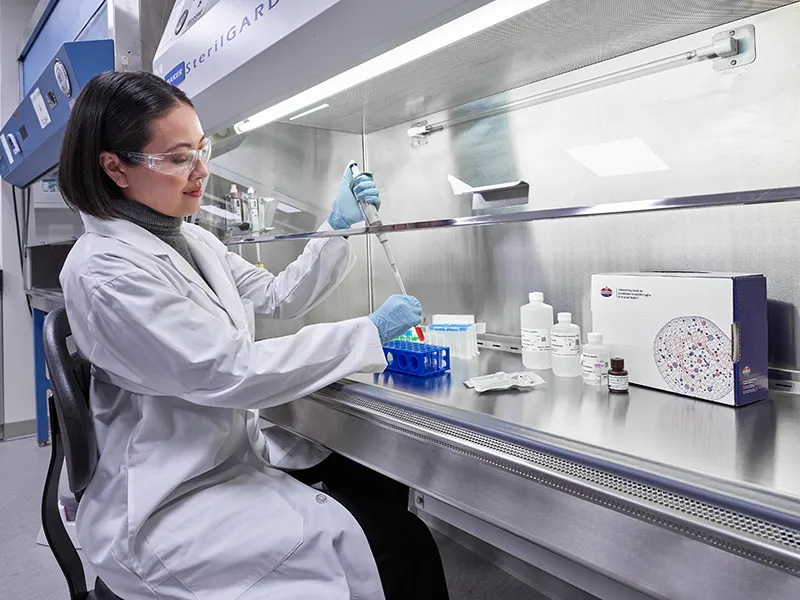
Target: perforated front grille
[[782, 537], [555, 38]]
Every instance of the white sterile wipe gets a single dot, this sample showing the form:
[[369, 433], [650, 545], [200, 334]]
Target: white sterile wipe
[[504, 381]]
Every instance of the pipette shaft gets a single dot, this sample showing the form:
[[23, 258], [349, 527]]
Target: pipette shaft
[[372, 218]]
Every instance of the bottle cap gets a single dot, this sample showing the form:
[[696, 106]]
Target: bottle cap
[[595, 338], [565, 317], [618, 364], [536, 297]]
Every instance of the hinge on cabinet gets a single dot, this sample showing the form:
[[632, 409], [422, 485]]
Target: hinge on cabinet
[[745, 45], [418, 134]]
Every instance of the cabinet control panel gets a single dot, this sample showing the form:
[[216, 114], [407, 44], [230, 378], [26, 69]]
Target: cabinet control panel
[[30, 141]]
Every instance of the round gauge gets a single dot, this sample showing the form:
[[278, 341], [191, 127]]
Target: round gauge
[[181, 22], [62, 78]]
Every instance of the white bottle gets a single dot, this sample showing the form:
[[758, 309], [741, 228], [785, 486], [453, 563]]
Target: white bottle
[[537, 320], [595, 352], [565, 340]]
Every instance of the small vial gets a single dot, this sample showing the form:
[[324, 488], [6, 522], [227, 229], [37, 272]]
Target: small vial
[[594, 352], [598, 374], [618, 377]]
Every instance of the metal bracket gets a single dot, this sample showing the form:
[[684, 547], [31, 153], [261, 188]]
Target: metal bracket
[[514, 193], [508, 194], [745, 37], [418, 134]]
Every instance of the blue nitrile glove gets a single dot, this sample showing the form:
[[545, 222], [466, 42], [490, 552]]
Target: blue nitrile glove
[[397, 315], [345, 207]]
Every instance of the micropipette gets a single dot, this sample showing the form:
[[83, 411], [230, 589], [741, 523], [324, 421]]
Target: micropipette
[[372, 219]]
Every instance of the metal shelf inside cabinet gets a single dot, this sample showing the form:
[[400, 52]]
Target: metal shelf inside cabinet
[[45, 299], [764, 196]]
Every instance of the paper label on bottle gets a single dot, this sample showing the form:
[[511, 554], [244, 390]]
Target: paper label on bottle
[[618, 383], [536, 340], [565, 344], [588, 361]]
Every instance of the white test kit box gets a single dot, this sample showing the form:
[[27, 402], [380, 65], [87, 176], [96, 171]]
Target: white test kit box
[[702, 335]]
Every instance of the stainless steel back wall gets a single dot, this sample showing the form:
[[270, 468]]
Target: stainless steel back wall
[[716, 132]]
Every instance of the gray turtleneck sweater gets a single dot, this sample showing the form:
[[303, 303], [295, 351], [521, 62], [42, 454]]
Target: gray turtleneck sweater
[[167, 229]]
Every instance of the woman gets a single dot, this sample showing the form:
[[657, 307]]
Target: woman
[[186, 501]]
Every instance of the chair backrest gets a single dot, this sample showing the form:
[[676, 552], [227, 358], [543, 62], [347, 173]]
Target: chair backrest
[[73, 439], [69, 378]]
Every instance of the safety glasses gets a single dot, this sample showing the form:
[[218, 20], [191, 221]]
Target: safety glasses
[[179, 163]]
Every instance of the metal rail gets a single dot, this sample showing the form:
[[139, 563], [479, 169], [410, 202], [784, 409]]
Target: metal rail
[[747, 197]]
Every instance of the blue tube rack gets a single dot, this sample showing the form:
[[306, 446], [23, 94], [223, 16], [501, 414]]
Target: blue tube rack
[[412, 358]]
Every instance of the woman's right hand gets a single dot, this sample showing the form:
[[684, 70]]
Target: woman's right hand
[[397, 315]]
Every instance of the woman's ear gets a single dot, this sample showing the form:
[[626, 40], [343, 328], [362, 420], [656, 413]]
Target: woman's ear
[[114, 168]]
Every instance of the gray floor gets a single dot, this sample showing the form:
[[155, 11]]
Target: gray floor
[[28, 571]]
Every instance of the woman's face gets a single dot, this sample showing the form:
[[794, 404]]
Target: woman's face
[[177, 131]]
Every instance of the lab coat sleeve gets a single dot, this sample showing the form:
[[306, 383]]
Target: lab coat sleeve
[[150, 339], [302, 285]]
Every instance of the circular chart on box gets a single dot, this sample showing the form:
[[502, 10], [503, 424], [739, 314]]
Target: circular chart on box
[[693, 356]]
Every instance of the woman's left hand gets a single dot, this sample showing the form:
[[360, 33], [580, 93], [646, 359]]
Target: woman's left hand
[[346, 211]]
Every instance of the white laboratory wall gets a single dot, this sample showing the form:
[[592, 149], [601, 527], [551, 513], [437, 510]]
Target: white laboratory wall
[[18, 374]]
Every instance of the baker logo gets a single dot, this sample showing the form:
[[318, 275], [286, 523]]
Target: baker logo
[[177, 74], [606, 292]]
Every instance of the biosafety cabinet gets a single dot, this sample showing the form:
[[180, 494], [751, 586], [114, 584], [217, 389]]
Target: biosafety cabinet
[[524, 146], [64, 44]]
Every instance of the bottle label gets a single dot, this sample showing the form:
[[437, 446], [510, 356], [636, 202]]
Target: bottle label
[[565, 344], [536, 340], [618, 383], [588, 361]]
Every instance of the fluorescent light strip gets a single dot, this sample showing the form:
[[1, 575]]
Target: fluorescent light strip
[[482, 18], [310, 111]]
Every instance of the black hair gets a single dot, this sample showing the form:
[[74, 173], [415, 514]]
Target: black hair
[[114, 112]]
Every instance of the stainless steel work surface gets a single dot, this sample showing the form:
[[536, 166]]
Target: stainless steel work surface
[[748, 455], [637, 530]]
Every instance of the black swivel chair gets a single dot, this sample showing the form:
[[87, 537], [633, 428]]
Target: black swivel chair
[[73, 440]]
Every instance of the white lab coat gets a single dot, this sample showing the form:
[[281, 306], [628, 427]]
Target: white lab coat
[[184, 503]]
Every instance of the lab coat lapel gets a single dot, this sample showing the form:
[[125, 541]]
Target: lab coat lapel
[[209, 263], [142, 239], [189, 272]]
